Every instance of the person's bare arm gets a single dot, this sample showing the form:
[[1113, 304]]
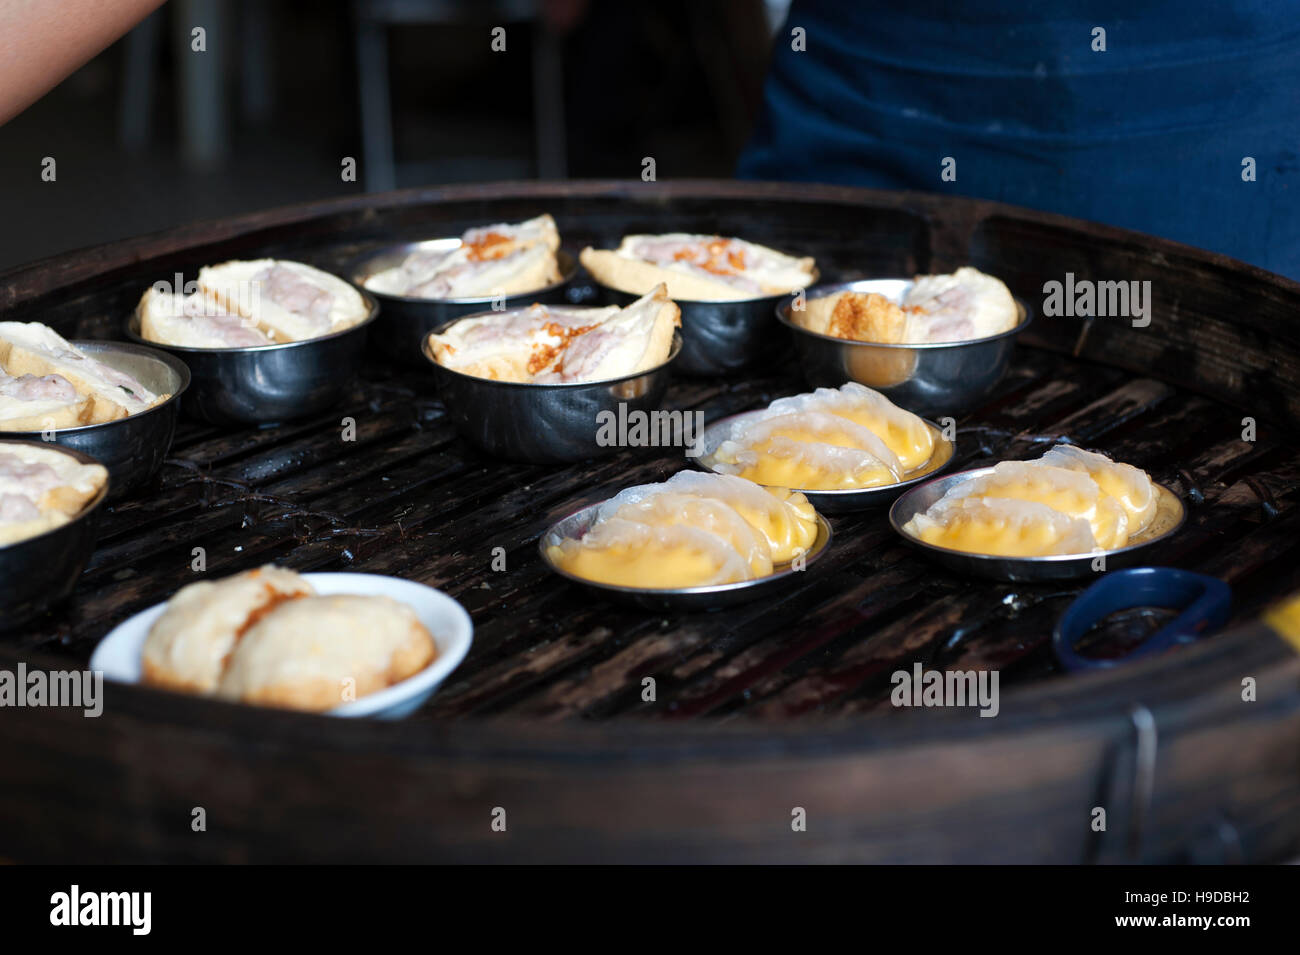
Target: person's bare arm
[[42, 41]]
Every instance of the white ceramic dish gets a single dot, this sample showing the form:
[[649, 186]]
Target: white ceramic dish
[[118, 655]]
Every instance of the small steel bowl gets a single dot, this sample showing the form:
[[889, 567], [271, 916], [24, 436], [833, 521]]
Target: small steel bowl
[[268, 384], [690, 599], [937, 378], [545, 424], [38, 572], [1169, 517], [844, 500], [132, 448], [720, 338], [406, 320]]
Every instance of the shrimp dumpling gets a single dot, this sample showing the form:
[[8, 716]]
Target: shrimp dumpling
[[807, 449], [1070, 492], [906, 435], [656, 506], [627, 553], [1003, 527], [1128, 485], [784, 517]]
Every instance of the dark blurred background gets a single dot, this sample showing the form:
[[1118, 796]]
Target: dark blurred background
[[149, 135]]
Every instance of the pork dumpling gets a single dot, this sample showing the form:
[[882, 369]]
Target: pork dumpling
[[963, 305], [1130, 486], [783, 516], [30, 348], [1073, 493], [633, 339], [194, 321], [809, 450], [698, 268], [905, 434], [627, 553], [40, 402], [291, 301], [1002, 527], [499, 259], [656, 506]]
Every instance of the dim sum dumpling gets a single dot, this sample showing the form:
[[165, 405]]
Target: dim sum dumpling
[[810, 450], [783, 516], [1003, 527], [1128, 485], [960, 306], [290, 301], [1072, 493], [905, 434], [628, 553], [656, 506]]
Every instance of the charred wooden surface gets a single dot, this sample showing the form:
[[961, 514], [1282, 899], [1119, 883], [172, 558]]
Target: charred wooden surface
[[786, 697]]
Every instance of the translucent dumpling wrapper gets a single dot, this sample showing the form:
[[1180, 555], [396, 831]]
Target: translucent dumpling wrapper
[[905, 434], [1073, 493], [1002, 527], [652, 504], [1128, 485], [807, 449], [784, 517], [627, 553]]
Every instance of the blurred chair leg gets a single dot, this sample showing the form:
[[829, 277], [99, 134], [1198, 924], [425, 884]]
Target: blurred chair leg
[[376, 106], [548, 104], [135, 116], [203, 119]]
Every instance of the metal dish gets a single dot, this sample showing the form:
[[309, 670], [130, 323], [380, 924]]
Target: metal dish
[[939, 378], [406, 320], [841, 501], [545, 424], [40, 571], [721, 338], [268, 384], [132, 448], [715, 597], [1169, 517]]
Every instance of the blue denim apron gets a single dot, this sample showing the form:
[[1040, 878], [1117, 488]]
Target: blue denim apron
[[1152, 134]]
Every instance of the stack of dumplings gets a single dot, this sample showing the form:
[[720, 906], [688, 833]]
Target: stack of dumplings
[[831, 439], [267, 637], [1069, 501], [693, 530]]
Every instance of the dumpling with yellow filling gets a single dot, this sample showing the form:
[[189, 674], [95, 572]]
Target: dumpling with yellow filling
[[784, 517], [627, 553], [1130, 486], [905, 434], [657, 506], [808, 449], [1001, 527], [1073, 493]]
